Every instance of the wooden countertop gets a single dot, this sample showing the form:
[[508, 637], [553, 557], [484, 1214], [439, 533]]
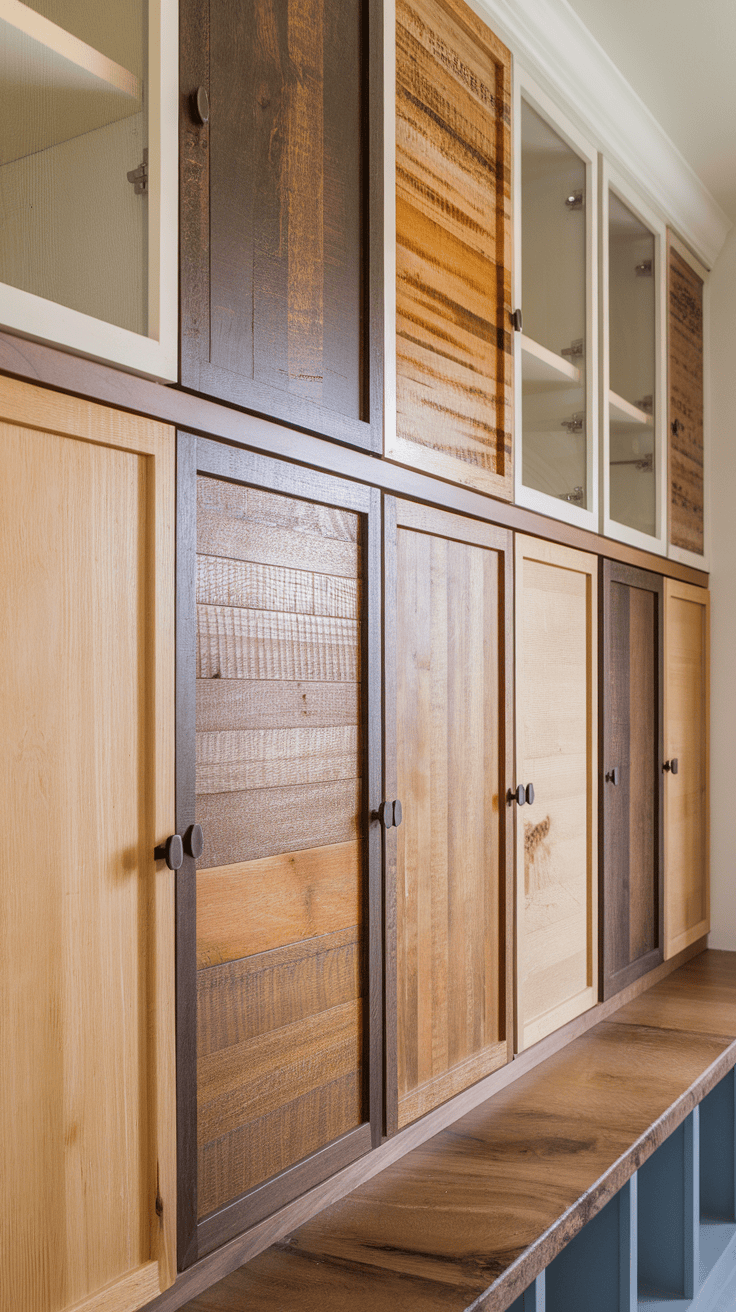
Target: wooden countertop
[[470, 1217]]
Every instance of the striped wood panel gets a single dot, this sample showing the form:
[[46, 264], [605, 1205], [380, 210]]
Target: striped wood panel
[[278, 793], [450, 950], [685, 382], [453, 234]]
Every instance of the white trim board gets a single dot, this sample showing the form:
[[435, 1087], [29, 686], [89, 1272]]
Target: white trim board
[[556, 48]]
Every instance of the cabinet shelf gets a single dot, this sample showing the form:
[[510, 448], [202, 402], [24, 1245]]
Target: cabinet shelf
[[544, 368], [57, 86], [624, 414]]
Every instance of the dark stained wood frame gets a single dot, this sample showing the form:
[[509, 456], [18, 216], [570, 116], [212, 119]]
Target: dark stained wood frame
[[194, 228], [196, 1237], [613, 572], [507, 818]]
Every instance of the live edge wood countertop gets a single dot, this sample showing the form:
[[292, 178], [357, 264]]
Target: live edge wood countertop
[[470, 1217]]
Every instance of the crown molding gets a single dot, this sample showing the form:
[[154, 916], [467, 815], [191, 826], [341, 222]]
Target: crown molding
[[555, 46]]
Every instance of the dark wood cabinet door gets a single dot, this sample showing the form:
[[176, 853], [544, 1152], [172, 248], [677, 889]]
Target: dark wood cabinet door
[[278, 759], [631, 760], [281, 211], [685, 287]]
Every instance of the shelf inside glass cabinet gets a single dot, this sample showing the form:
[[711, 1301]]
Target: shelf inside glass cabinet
[[546, 369]]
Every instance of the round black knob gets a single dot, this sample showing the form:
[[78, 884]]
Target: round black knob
[[529, 791], [172, 852], [201, 105], [194, 841], [398, 814], [672, 765], [613, 776], [519, 796]]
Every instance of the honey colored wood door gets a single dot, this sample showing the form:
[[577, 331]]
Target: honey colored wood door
[[281, 221], [556, 752], [686, 741], [283, 968], [453, 247], [448, 646], [631, 845], [685, 293], [87, 1095]]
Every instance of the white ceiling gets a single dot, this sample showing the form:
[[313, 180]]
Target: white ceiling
[[680, 58]]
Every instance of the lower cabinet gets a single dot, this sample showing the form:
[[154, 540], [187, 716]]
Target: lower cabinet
[[448, 756], [631, 846], [556, 763], [686, 737], [87, 1095]]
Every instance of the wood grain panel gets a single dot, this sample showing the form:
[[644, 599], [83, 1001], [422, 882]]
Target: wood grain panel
[[245, 644], [256, 506], [556, 653], [244, 539], [231, 704], [685, 413], [451, 1023], [235, 759], [86, 931], [223, 582], [453, 381], [643, 769], [268, 821], [686, 738], [241, 999], [256, 906]]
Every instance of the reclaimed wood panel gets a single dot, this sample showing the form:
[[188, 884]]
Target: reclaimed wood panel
[[86, 930], [256, 906], [631, 833], [556, 752], [685, 396], [450, 957], [453, 247], [686, 737], [279, 793]]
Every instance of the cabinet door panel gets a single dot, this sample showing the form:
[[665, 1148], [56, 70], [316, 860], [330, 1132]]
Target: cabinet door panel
[[280, 245], [279, 970], [453, 252], [451, 749], [87, 1137], [685, 384], [556, 752], [686, 736], [631, 847]]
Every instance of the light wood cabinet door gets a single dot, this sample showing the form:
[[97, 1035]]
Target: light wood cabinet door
[[87, 1096], [453, 247], [686, 788], [448, 661], [631, 761], [556, 752]]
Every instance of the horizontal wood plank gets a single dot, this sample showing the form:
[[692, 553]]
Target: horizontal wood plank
[[229, 704], [222, 582], [257, 906], [237, 759], [241, 539], [311, 518], [255, 644], [266, 821]]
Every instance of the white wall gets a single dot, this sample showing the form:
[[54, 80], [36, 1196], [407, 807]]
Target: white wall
[[723, 586]]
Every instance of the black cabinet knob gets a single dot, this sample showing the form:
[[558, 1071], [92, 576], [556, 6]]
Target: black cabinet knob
[[529, 790], [517, 321], [390, 814], [200, 102], [672, 765], [172, 852], [613, 776], [194, 841], [519, 796]]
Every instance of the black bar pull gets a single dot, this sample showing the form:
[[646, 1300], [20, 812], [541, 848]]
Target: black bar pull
[[672, 765], [613, 776], [519, 796], [194, 841], [200, 102], [529, 791], [172, 852]]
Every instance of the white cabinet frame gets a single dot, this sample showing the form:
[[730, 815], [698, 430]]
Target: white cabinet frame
[[610, 180], [154, 355], [525, 88]]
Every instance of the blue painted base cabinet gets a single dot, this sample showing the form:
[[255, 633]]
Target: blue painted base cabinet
[[667, 1241]]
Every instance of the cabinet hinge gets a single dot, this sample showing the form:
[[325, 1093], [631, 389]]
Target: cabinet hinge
[[139, 176], [574, 424], [574, 350], [575, 200], [643, 270], [575, 497]]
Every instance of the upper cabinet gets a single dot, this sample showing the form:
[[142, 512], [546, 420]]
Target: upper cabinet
[[555, 207], [281, 280], [688, 482], [88, 178], [453, 414]]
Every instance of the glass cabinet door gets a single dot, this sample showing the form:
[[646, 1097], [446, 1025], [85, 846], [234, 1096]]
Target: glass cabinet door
[[556, 353], [633, 410]]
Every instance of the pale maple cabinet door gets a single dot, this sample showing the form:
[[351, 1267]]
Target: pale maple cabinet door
[[448, 646], [556, 767], [87, 1096], [686, 736]]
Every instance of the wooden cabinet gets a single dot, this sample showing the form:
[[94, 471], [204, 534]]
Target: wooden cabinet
[[688, 483], [281, 277], [686, 739], [453, 247], [448, 757], [278, 941], [87, 1137], [631, 846], [556, 753]]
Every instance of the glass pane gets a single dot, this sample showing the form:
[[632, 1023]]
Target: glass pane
[[553, 302], [74, 227], [632, 373]]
